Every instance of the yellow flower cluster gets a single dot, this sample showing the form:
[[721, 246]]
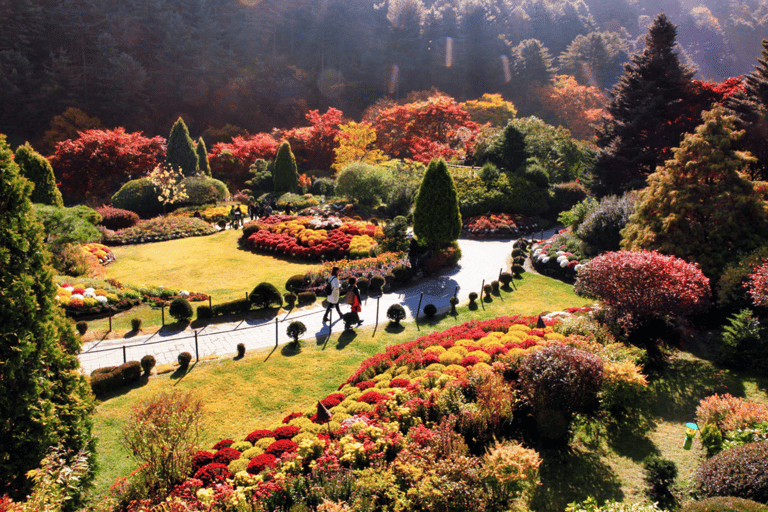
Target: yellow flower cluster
[[360, 246], [627, 373]]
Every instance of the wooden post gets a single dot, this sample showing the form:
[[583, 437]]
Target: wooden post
[[125, 359], [162, 313], [210, 306], [110, 322], [197, 351], [482, 291], [377, 313], [419, 308]]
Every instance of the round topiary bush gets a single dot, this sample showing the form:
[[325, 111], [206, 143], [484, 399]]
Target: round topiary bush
[[741, 472], [307, 297], [136, 324], [180, 309], [363, 284], [495, 286], [82, 327], [290, 299], [240, 350], [430, 310], [505, 279], [138, 196], [472, 297], [184, 359], [265, 295], [376, 283], [147, 363], [396, 313], [295, 330], [295, 283], [203, 190]]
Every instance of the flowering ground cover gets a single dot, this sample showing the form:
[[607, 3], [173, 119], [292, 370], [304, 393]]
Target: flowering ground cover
[[101, 251], [316, 237], [212, 214], [499, 225], [558, 256], [159, 229], [377, 266], [433, 420]]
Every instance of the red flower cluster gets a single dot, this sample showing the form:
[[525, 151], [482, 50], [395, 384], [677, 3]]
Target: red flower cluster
[[258, 434], [201, 459], [224, 443], [372, 397], [291, 416], [367, 384], [278, 448], [226, 455], [213, 473], [286, 432], [332, 400], [260, 462], [399, 383]]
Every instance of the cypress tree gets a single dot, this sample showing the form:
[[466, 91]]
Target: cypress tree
[[699, 206], [202, 158], [36, 168], [648, 113], [750, 105], [46, 401], [181, 150], [436, 216], [285, 173]]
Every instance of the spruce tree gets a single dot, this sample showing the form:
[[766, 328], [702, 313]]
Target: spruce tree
[[36, 168], [648, 110], [181, 150], [436, 216], [285, 173], [750, 105], [202, 158], [45, 398], [699, 207]]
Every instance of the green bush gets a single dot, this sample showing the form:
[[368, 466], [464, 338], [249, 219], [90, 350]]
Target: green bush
[[295, 330], [205, 312], [659, 476], [566, 195], [364, 183], [396, 313], [230, 308], [430, 310], [295, 283], [139, 196], [147, 363], [203, 190], [724, 504], [261, 180], [264, 295], [505, 278], [741, 472], [135, 324], [290, 299], [82, 327], [363, 284], [184, 359], [376, 283], [601, 227], [180, 309], [323, 187], [240, 354], [711, 439], [306, 297], [731, 294], [741, 343], [131, 371]]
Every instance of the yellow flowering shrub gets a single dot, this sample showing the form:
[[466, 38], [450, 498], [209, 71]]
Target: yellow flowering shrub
[[434, 349], [455, 370], [483, 357], [519, 327], [554, 336], [462, 351], [511, 468], [451, 357], [264, 442], [436, 367], [464, 343]]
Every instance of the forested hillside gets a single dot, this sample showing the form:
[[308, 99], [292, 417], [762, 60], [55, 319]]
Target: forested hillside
[[259, 64]]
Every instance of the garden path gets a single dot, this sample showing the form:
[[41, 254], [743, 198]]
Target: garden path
[[482, 260]]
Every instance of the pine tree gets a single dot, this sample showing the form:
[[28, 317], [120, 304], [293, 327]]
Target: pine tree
[[699, 207], [46, 401], [648, 113], [750, 105], [36, 168], [436, 216], [202, 158], [181, 150], [285, 174]]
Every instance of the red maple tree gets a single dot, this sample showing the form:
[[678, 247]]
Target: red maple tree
[[313, 145], [230, 161]]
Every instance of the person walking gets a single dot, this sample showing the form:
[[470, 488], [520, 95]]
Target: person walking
[[333, 296], [353, 299]]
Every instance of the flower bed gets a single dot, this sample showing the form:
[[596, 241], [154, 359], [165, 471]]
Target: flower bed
[[499, 225], [402, 421], [378, 266], [316, 238], [213, 214], [102, 252], [159, 229], [559, 256]]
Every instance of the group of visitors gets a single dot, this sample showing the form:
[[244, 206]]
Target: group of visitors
[[352, 298], [256, 210]]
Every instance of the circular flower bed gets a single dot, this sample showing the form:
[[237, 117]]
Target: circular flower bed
[[499, 225], [553, 257], [102, 252]]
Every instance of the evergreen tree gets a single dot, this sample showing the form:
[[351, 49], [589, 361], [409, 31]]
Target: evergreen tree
[[35, 167], [699, 207], [751, 107], [648, 113], [202, 158], [436, 216], [284, 173], [181, 150], [46, 400]]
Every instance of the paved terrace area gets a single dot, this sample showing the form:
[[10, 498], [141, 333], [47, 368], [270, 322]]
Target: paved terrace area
[[481, 260]]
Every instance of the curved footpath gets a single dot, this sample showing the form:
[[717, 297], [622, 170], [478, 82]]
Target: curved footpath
[[481, 260]]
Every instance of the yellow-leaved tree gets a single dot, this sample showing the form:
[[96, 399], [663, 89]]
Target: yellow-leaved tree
[[357, 144], [490, 108]]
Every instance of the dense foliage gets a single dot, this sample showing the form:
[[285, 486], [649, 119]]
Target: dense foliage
[[741, 472], [436, 216], [34, 167], [180, 154], [285, 175]]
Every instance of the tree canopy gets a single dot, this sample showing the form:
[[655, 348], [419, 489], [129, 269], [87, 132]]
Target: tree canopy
[[436, 216]]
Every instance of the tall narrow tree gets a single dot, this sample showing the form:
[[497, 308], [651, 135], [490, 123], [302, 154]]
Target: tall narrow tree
[[181, 150], [648, 113], [285, 173], [38, 170], [46, 400], [436, 216], [202, 157]]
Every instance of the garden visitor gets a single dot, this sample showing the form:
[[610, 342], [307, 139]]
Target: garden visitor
[[233, 217], [267, 211], [333, 297], [353, 299], [251, 210], [288, 208]]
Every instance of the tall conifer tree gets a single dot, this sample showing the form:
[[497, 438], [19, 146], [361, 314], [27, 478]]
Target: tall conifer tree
[[285, 174], [37, 169], [202, 157], [436, 216], [45, 399], [646, 109], [181, 150]]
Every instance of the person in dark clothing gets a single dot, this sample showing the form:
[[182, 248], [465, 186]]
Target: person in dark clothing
[[353, 299]]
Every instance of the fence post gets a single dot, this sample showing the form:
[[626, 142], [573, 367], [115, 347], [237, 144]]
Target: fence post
[[209, 303], [125, 359], [456, 292], [197, 351], [419, 307], [275, 332], [482, 290], [162, 313], [110, 321], [377, 314]]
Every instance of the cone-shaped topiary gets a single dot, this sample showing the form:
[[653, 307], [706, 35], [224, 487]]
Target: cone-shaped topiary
[[36, 168], [285, 173], [202, 158], [436, 216], [46, 400], [181, 150]]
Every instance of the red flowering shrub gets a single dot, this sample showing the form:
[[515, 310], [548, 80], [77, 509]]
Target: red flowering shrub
[[258, 434], [286, 432], [187, 491], [278, 448], [226, 455], [728, 412], [213, 473], [230, 161], [224, 443], [372, 397], [399, 383], [291, 416], [757, 285], [643, 285], [201, 459], [116, 218], [362, 386], [469, 361], [260, 462], [429, 358]]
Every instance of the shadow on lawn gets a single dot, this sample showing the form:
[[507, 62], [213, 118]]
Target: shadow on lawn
[[572, 475]]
